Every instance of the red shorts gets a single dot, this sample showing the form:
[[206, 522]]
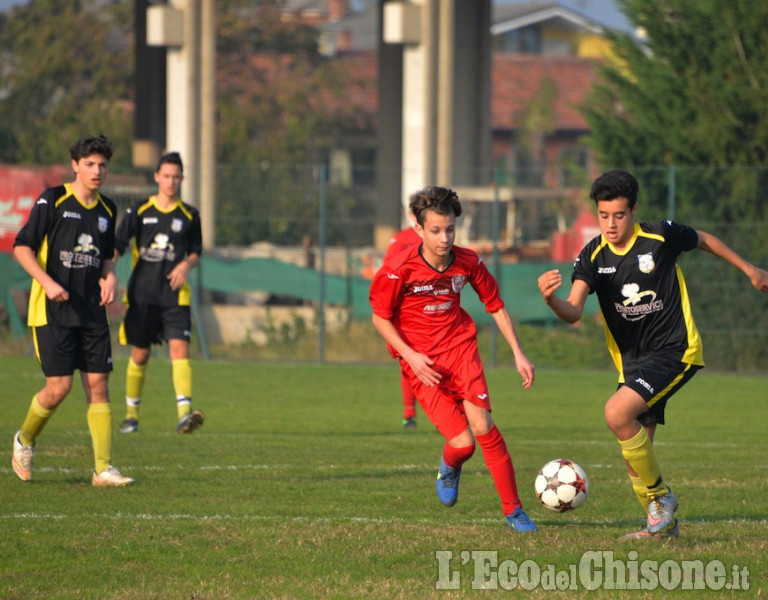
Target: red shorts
[[463, 379]]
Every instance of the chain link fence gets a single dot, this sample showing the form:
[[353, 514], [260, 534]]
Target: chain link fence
[[297, 245]]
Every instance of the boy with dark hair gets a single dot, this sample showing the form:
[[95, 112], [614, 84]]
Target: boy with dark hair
[[66, 246], [167, 244], [416, 299], [632, 267]]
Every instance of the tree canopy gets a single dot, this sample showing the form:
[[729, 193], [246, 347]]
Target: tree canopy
[[65, 72], [694, 92]]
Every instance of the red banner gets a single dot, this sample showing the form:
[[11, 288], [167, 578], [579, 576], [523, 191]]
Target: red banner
[[19, 189]]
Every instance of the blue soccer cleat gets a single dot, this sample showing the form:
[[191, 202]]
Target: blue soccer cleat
[[447, 484], [519, 521]]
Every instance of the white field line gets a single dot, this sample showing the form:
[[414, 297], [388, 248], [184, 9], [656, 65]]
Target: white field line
[[122, 516]]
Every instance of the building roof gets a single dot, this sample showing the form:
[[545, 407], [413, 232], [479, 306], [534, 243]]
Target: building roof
[[509, 17], [518, 79]]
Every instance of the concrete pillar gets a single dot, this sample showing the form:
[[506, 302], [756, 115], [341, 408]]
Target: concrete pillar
[[149, 80], [420, 67], [183, 94], [471, 111], [446, 132], [208, 123], [389, 138]]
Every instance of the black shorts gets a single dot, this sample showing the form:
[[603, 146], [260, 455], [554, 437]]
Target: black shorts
[[61, 350], [145, 324], [657, 381]]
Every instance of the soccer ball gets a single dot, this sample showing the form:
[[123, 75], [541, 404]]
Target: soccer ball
[[561, 485]]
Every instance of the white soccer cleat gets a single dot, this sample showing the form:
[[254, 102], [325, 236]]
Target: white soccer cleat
[[110, 477], [661, 512], [22, 458]]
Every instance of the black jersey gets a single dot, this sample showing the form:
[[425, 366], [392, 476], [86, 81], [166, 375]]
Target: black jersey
[[162, 238], [71, 241], [642, 295]]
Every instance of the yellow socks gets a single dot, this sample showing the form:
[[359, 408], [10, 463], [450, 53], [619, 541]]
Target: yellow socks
[[639, 453], [100, 424], [640, 490], [182, 385], [134, 384], [37, 417]]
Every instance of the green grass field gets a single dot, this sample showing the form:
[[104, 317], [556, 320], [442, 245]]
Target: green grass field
[[302, 484]]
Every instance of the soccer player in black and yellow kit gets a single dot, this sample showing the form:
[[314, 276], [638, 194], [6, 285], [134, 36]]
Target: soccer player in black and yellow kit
[[632, 267], [67, 246], [167, 243]]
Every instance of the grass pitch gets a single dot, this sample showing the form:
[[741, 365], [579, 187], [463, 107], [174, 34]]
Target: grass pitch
[[302, 484]]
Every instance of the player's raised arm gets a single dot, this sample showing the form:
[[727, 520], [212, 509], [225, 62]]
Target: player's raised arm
[[568, 310], [714, 245]]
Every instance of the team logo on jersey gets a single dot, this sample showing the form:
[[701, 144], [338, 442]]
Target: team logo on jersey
[[457, 283], [176, 225], [160, 249], [161, 242], [645, 262], [85, 244], [638, 305], [84, 254], [103, 224]]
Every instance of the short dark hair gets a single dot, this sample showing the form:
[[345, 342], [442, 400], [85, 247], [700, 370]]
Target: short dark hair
[[615, 184], [91, 145], [170, 158], [441, 200]]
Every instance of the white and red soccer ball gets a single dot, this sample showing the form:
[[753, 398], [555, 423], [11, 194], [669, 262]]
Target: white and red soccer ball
[[561, 485]]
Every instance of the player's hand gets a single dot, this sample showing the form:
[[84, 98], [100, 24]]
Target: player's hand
[[55, 292], [549, 282], [421, 366], [526, 369], [108, 289], [178, 275], [759, 279]]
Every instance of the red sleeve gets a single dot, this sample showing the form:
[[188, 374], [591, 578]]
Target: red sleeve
[[385, 292], [487, 287]]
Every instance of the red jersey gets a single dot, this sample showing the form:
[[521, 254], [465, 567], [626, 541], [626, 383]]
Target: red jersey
[[402, 240], [424, 304]]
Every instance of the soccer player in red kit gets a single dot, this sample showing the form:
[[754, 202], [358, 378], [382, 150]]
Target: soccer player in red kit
[[404, 240], [416, 308]]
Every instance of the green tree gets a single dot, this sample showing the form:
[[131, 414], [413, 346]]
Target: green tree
[[694, 92], [65, 72]]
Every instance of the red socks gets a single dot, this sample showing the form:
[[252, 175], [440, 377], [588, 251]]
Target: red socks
[[499, 463], [456, 457]]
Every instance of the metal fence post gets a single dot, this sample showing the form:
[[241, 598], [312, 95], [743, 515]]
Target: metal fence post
[[321, 247]]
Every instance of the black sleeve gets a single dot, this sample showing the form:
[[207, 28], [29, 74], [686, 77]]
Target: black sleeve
[[36, 228], [125, 230], [584, 267]]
